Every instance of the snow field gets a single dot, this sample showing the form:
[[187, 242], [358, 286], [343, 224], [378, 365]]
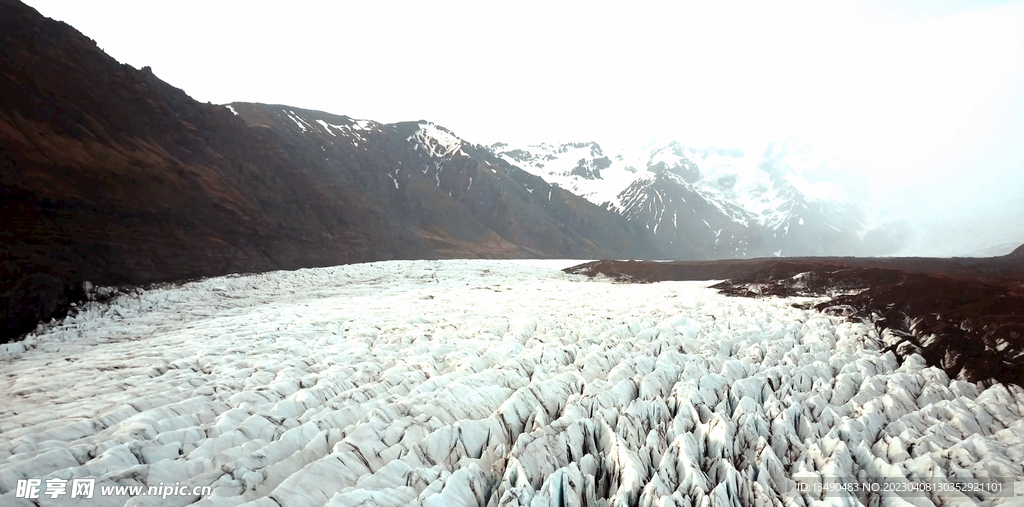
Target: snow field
[[447, 383]]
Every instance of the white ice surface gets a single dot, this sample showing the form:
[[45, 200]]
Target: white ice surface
[[440, 383]]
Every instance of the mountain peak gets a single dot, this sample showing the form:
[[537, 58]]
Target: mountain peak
[[759, 190]]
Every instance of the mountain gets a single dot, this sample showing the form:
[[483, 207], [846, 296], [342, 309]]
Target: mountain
[[112, 175], [1017, 253], [451, 192], [726, 203]]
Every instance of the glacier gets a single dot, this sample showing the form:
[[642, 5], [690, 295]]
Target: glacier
[[491, 383]]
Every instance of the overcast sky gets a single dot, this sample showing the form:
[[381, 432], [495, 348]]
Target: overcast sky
[[923, 99]]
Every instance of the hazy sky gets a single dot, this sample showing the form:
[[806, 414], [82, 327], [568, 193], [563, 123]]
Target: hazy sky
[[923, 99]]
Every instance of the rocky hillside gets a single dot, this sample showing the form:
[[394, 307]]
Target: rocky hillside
[[111, 175], [1017, 253], [450, 192]]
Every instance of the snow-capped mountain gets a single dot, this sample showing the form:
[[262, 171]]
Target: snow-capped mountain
[[728, 202], [114, 176], [454, 197]]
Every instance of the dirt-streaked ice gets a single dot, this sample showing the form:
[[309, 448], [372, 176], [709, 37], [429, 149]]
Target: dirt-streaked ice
[[445, 383]]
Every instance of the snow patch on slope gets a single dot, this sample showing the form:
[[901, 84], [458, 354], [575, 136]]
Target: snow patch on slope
[[298, 121], [438, 141]]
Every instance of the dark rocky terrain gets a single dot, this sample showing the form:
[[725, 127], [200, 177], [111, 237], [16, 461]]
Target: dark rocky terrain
[[964, 315], [110, 175]]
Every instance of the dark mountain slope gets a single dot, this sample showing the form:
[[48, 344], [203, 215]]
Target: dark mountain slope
[[108, 174], [452, 192], [669, 207], [112, 175]]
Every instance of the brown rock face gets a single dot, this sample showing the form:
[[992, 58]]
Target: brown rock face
[[108, 174]]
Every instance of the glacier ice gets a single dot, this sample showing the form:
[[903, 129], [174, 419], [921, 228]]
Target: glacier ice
[[497, 383]]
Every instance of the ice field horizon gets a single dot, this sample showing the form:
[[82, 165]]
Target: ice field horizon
[[492, 383]]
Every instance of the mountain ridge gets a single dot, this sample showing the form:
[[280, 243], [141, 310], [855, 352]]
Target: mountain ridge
[[87, 139], [110, 175], [771, 209], [113, 176]]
